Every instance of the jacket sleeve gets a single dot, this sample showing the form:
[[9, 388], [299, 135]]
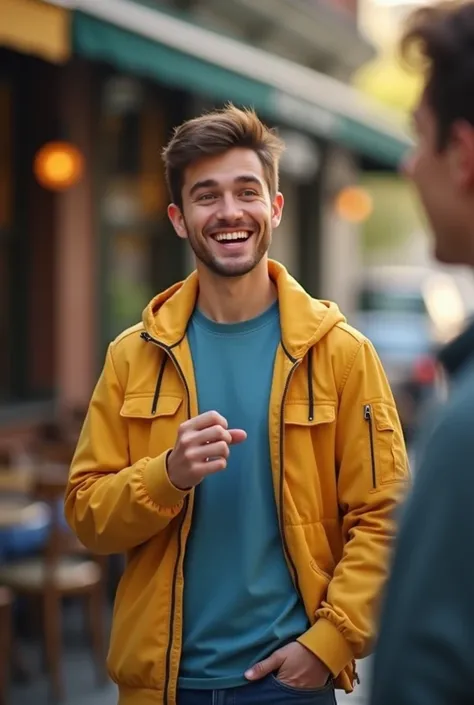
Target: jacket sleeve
[[110, 504], [372, 477]]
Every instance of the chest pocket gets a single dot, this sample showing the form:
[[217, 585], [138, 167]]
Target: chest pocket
[[150, 434], [309, 449]]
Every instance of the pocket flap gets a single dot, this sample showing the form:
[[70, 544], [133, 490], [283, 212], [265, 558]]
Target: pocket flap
[[139, 406], [297, 413], [383, 417]]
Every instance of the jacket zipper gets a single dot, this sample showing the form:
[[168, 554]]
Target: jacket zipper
[[368, 416], [282, 470], [369, 419], [167, 350]]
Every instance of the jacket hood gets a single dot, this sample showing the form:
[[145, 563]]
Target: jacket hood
[[304, 320]]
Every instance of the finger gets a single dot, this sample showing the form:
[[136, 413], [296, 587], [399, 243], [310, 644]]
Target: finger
[[265, 667], [208, 418], [212, 435], [211, 467], [237, 435], [209, 450]]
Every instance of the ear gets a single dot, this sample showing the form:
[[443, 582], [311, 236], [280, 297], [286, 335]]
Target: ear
[[177, 220], [277, 209], [461, 155]]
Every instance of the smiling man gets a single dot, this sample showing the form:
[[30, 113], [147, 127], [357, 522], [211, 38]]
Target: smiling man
[[243, 447]]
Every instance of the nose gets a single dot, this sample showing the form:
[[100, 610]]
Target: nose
[[230, 210]]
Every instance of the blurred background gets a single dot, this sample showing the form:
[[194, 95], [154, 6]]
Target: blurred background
[[89, 93]]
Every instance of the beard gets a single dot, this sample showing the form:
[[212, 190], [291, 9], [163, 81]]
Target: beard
[[226, 266]]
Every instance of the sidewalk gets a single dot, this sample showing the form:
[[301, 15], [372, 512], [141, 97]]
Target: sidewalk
[[360, 694]]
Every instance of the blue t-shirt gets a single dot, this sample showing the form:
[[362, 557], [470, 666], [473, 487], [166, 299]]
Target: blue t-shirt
[[239, 600]]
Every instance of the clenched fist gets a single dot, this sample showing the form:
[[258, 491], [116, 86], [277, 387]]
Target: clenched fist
[[202, 449]]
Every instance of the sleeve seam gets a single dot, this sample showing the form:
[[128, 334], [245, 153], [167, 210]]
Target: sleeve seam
[[349, 368], [115, 369]]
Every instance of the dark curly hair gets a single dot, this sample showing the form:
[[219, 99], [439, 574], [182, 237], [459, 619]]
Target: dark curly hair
[[439, 39]]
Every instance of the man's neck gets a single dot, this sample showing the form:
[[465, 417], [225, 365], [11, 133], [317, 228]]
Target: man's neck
[[235, 299]]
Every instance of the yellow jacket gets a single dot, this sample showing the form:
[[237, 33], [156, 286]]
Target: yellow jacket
[[339, 468]]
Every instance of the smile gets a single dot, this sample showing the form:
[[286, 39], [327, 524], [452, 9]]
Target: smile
[[238, 236]]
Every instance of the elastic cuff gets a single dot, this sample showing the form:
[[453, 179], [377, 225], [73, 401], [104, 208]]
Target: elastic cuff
[[158, 484], [326, 642]]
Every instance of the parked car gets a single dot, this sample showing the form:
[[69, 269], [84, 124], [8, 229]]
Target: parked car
[[408, 312]]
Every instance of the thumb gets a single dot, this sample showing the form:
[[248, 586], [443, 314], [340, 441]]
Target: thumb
[[265, 667], [238, 435]]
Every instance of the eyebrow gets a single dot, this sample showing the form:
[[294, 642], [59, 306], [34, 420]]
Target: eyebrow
[[212, 183]]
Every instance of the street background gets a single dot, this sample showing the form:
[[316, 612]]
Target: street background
[[89, 93]]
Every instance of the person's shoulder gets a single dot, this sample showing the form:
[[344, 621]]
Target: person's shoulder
[[129, 345], [343, 339], [458, 417], [450, 442], [128, 337]]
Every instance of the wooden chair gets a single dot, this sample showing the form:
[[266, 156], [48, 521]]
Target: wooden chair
[[6, 612], [63, 570]]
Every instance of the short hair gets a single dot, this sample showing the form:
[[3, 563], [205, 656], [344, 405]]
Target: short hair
[[215, 133], [439, 39]]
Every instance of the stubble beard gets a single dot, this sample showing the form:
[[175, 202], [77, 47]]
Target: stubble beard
[[225, 269]]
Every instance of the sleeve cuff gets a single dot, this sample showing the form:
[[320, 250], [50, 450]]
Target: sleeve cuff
[[326, 642], [158, 484]]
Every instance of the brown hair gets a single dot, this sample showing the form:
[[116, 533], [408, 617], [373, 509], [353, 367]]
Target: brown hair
[[439, 39], [214, 133]]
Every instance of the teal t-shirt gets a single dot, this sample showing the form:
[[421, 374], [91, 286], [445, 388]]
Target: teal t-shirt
[[239, 600]]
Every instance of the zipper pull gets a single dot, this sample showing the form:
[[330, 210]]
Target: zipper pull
[[145, 336], [367, 412], [355, 678]]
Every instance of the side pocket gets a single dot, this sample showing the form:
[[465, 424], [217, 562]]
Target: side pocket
[[388, 457]]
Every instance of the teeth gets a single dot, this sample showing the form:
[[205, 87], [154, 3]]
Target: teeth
[[242, 235]]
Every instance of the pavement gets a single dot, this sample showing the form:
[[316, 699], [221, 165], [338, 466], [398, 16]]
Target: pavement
[[360, 694]]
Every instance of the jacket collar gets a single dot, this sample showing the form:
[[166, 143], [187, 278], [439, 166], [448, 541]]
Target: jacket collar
[[304, 320]]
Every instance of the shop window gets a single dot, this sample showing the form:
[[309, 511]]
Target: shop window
[[140, 256], [6, 235], [26, 234]]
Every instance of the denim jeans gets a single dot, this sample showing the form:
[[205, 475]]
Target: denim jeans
[[268, 691]]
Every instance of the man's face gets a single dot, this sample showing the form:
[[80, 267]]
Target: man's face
[[444, 179], [227, 214]]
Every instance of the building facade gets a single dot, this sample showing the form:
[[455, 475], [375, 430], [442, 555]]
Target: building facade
[[77, 265]]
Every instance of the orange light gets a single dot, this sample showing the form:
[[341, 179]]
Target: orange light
[[353, 204], [58, 166]]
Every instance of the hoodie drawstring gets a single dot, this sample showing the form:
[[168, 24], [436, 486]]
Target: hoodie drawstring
[[159, 380], [310, 386]]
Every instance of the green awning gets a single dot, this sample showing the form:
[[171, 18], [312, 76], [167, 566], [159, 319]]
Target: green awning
[[278, 89], [130, 52]]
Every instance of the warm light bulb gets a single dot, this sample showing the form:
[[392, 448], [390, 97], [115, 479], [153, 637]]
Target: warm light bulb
[[353, 204], [58, 165]]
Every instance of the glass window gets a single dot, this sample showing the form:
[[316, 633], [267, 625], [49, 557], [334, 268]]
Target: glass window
[[6, 198], [139, 252]]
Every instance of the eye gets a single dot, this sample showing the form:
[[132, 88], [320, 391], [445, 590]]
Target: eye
[[206, 197], [248, 193]]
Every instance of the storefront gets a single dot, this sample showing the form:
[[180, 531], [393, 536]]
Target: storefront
[[34, 42], [77, 265]]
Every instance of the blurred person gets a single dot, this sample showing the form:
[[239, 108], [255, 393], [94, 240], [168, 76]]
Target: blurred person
[[242, 446], [424, 655]]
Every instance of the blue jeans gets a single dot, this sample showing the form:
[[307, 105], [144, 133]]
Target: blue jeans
[[268, 691]]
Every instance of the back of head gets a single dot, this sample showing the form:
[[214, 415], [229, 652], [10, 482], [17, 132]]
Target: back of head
[[439, 39]]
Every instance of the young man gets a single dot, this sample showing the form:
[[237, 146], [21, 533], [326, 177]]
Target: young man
[[243, 447], [426, 646]]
